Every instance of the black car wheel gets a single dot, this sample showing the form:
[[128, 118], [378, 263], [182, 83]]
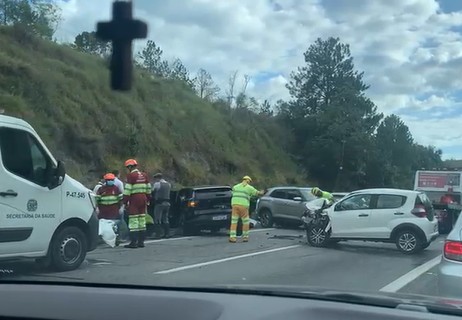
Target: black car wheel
[[266, 218], [187, 230], [68, 249]]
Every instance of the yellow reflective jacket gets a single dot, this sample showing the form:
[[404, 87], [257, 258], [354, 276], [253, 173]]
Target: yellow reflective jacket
[[242, 194]]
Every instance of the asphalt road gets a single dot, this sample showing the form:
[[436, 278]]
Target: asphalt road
[[273, 256]]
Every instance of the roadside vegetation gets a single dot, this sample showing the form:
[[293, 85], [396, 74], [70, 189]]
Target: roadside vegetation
[[182, 123]]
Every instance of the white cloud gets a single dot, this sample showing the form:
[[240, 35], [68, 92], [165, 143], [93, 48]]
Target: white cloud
[[407, 48], [443, 134], [274, 87]]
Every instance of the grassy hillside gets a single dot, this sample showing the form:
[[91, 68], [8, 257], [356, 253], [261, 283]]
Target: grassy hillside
[[64, 94]]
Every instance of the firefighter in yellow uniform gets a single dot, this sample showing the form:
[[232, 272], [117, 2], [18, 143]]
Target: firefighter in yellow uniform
[[240, 203]]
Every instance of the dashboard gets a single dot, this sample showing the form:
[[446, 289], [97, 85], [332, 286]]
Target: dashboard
[[55, 301]]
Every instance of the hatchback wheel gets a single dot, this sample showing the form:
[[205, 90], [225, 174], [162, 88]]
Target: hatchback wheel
[[408, 241], [317, 236]]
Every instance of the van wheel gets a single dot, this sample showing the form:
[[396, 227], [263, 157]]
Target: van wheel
[[408, 242], [68, 249], [266, 218]]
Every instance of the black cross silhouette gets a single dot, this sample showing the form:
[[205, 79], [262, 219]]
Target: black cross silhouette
[[121, 30]]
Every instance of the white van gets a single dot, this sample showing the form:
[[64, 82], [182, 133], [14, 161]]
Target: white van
[[44, 213]]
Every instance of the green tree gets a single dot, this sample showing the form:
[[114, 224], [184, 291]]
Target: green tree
[[48, 17], [178, 71], [244, 101], [7, 12], [39, 17], [205, 86], [88, 42], [396, 157], [395, 141], [427, 157], [390, 164], [266, 109], [331, 117], [150, 58]]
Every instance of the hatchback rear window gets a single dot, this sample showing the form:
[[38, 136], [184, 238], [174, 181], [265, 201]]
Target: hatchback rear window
[[390, 201], [212, 192]]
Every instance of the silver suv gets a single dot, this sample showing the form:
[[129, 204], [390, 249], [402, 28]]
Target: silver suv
[[283, 205]]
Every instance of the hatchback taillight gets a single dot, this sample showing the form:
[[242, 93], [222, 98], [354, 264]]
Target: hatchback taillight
[[192, 204], [419, 211], [453, 250]]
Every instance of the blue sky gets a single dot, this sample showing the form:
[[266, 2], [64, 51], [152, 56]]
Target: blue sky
[[450, 5], [409, 50]]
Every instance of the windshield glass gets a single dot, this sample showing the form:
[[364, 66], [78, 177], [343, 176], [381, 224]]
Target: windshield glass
[[196, 172], [307, 195], [315, 204]]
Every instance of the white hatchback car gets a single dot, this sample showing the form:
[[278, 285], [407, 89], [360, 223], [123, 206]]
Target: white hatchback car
[[403, 217]]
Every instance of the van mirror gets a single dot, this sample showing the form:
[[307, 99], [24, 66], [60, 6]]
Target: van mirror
[[298, 199], [61, 171], [56, 178]]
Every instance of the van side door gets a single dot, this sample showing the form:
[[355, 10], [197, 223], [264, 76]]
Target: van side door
[[29, 211]]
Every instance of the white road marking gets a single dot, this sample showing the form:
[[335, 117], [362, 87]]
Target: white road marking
[[411, 275], [169, 239], [186, 238], [207, 263], [259, 230]]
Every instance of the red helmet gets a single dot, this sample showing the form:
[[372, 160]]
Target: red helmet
[[130, 162], [109, 176]]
